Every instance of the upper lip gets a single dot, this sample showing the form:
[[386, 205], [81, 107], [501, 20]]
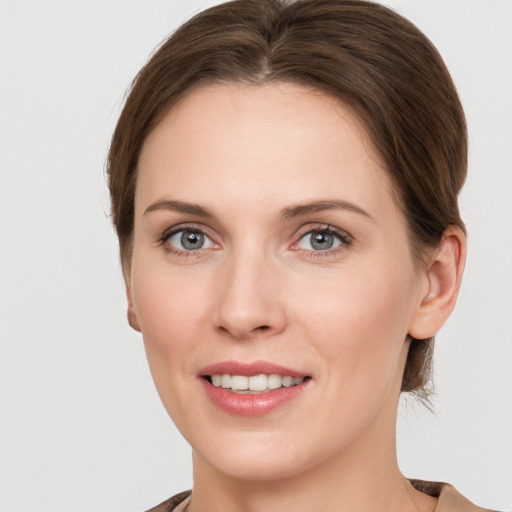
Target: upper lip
[[249, 369]]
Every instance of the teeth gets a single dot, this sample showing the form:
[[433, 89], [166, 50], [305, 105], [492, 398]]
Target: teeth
[[274, 381], [255, 383], [225, 381], [240, 382], [287, 381]]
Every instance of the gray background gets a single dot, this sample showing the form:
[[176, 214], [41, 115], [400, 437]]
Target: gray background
[[81, 426]]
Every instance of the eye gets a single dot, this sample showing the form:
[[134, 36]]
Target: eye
[[322, 240], [187, 240]]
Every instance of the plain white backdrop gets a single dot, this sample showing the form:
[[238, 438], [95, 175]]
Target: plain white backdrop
[[81, 426]]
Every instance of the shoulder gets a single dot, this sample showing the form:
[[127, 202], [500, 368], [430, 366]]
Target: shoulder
[[450, 500], [170, 504]]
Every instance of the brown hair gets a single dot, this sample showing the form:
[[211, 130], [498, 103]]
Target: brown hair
[[372, 59]]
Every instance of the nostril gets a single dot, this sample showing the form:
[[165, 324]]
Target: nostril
[[262, 328]]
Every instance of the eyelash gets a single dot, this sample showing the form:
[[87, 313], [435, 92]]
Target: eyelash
[[167, 234], [342, 236]]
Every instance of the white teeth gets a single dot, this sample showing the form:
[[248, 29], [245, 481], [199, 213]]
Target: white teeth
[[239, 382], [274, 381], [255, 383], [287, 381], [225, 381], [258, 382]]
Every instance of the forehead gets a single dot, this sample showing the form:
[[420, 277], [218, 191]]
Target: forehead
[[276, 141]]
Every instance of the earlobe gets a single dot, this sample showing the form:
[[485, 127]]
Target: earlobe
[[443, 277], [131, 315]]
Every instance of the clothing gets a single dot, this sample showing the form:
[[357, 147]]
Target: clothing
[[175, 504], [449, 499]]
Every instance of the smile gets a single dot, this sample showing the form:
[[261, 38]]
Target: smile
[[252, 389], [254, 384]]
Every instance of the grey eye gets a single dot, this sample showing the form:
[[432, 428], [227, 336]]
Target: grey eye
[[319, 240], [190, 240]]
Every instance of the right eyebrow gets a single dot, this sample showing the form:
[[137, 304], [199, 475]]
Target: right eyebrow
[[181, 207]]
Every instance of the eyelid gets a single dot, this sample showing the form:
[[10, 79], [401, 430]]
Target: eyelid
[[346, 238], [193, 227]]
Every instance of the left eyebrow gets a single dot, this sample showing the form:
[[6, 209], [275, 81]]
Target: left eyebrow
[[320, 206]]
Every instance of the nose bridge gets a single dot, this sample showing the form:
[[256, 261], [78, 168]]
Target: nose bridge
[[250, 300]]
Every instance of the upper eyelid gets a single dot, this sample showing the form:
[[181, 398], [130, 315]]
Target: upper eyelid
[[164, 240], [346, 241], [190, 226], [164, 237], [308, 228]]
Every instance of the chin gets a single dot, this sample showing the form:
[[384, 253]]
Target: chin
[[260, 456], [252, 466]]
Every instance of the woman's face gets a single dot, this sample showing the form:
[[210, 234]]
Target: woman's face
[[267, 241]]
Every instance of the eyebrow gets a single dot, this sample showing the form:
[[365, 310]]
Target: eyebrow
[[289, 212], [181, 207], [320, 206]]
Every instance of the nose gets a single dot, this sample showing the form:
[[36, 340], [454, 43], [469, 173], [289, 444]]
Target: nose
[[250, 298]]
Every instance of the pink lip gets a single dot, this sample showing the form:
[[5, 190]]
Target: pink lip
[[257, 404], [248, 369]]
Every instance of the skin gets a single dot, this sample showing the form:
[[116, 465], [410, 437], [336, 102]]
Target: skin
[[258, 290]]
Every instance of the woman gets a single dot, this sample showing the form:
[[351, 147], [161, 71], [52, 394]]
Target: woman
[[284, 182]]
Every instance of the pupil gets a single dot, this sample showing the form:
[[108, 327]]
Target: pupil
[[192, 241], [322, 241]]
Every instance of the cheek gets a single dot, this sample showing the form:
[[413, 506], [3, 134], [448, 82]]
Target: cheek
[[168, 304], [360, 320], [168, 308]]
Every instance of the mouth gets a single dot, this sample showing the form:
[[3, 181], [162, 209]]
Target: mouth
[[252, 389], [254, 384]]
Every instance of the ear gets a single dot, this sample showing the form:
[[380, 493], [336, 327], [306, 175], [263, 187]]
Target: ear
[[442, 278], [131, 315]]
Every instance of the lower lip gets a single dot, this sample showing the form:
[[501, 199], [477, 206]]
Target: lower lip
[[257, 404]]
